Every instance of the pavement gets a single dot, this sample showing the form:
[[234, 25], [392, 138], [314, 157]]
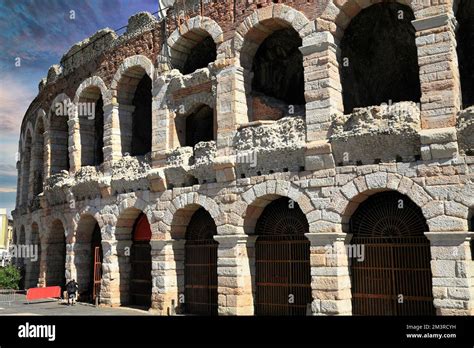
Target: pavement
[[59, 307]]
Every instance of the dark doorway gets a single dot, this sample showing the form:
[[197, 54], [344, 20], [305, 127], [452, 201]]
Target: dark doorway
[[283, 269], [141, 120], [141, 281], [99, 132], [200, 265], [394, 276], [379, 57]]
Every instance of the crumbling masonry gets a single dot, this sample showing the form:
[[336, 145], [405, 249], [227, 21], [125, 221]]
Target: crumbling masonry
[[206, 120]]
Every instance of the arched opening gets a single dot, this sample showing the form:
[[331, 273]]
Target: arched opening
[[198, 126], [91, 125], [25, 168], [394, 275], [34, 263], [379, 57], [282, 260], [465, 47], [194, 50], [274, 72], [88, 259], [140, 259], [200, 265], [278, 67], [59, 135], [135, 110], [38, 159], [56, 255], [201, 55]]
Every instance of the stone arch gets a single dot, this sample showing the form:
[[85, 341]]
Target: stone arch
[[90, 98], [133, 87], [253, 30], [58, 116], [136, 204], [258, 197], [179, 212], [338, 14], [187, 37], [345, 202]]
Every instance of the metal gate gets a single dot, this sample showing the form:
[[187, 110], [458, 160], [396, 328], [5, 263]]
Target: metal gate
[[282, 260], [394, 275], [141, 282], [201, 265]]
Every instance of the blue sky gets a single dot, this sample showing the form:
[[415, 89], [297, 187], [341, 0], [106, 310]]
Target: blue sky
[[39, 32]]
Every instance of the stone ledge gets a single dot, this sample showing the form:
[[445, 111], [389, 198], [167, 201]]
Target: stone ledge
[[432, 22]]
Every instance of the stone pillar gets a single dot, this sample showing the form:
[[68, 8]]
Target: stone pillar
[[235, 272], [74, 144], [330, 278], [112, 141], [323, 90], [48, 155], [439, 72], [167, 276], [160, 137], [451, 265], [110, 287]]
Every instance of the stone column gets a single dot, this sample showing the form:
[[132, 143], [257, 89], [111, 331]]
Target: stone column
[[235, 272], [439, 72], [110, 287], [112, 141], [43, 263], [74, 144], [167, 276], [451, 265], [330, 279], [323, 94], [323, 90]]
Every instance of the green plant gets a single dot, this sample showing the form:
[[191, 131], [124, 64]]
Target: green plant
[[10, 277]]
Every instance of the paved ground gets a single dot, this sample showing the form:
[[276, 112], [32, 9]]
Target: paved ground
[[21, 307]]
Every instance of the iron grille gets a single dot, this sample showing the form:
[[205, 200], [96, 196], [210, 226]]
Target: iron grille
[[394, 276]]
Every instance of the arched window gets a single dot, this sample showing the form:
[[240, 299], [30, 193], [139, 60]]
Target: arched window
[[379, 59], [203, 53], [465, 46]]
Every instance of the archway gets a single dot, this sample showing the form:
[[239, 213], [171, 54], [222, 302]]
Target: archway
[[201, 55], [282, 260], [59, 135], [88, 259], [134, 92], [379, 57], [140, 259], [56, 255], [394, 275], [200, 265], [465, 47], [91, 125]]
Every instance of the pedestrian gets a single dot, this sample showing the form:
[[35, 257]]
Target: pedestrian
[[72, 287]]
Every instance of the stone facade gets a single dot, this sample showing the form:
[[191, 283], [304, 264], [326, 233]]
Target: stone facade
[[325, 161]]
